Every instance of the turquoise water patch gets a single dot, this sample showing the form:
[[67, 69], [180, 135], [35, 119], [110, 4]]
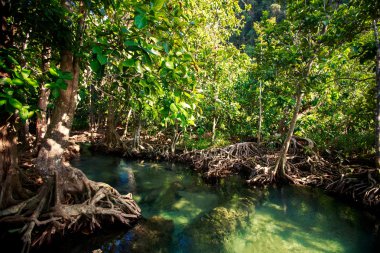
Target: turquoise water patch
[[227, 217]]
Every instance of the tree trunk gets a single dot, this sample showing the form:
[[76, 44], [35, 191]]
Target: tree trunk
[[279, 170], [57, 135], [176, 135], [65, 199], [112, 138], [214, 123], [136, 137], [43, 96], [376, 32], [126, 124], [8, 158]]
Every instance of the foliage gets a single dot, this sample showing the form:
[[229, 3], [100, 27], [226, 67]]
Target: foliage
[[204, 68]]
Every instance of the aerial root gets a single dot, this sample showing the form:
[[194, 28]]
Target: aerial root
[[302, 168]]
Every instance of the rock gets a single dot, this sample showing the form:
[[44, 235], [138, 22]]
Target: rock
[[152, 235], [212, 229]]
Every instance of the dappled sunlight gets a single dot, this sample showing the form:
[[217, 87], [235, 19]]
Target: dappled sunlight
[[230, 217]]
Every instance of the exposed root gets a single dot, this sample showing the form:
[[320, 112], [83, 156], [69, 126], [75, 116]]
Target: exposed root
[[221, 162], [303, 167], [68, 203]]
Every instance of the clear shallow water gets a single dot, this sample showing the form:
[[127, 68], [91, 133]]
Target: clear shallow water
[[184, 214]]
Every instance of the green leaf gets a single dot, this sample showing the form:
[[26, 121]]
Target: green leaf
[[95, 66], [3, 102], [23, 113], [25, 73], [138, 67], [15, 103], [187, 94], [97, 50], [124, 29], [173, 108], [30, 114], [166, 47], [12, 60], [32, 82], [17, 81], [9, 92], [55, 92], [7, 80], [140, 21], [53, 72], [130, 43], [185, 105], [129, 63], [155, 52], [169, 64], [158, 4], [101, 58]]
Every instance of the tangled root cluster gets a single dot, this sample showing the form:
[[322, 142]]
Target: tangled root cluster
[[303, 167]]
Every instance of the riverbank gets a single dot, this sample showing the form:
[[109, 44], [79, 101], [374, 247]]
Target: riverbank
[[358, 184]]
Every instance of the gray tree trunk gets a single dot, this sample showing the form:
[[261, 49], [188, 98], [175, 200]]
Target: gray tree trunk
[[281, 161]]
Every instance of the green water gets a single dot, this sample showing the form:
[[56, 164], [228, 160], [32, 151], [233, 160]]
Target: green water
[[226, 217]]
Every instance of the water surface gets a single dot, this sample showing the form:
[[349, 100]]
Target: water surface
[[184, 214]]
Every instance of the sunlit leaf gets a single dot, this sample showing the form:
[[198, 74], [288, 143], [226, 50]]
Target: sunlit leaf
[[138, 67], [169, 64], [173, 108], [53, 72], [32, 82], [25, 73], [23, 113], [15, 103], [158, 4], [18, 81]]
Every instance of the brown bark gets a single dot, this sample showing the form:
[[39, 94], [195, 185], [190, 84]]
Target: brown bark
[[67, 201], [43, 96], [112, 138], [57, 135], [8, 155]]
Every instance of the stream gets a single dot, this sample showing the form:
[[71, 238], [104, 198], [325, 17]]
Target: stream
[[182, 213]]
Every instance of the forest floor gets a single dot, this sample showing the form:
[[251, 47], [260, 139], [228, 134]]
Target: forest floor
[[357, 183]]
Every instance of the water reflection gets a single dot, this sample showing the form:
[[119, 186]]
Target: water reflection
[[183, 214]]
